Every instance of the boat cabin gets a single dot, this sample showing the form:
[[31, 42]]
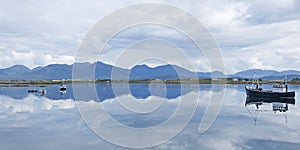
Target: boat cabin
[[279, 87]]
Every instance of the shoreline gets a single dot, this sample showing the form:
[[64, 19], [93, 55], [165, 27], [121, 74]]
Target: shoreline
[[43, 83]]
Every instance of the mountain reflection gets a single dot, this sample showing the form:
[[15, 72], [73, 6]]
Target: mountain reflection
[[107, 91], [53, 120]]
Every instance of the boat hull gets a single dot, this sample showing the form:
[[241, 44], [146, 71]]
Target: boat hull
[[267, 94], [63, 89]]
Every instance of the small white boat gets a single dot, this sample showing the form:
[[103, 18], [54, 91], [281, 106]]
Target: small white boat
[[63, 86]]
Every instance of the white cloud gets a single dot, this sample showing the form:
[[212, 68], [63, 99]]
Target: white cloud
[[32, 59], [266, 46], [250, 33], [276, 11]]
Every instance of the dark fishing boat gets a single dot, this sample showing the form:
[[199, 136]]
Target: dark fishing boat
[[279, 90], [258, 92]]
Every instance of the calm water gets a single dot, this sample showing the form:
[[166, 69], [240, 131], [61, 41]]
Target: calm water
[[52, 121]]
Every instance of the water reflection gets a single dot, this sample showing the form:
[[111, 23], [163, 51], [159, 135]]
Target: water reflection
[[30, 121], [63, 92], [256, 105], [105, 91], [254, 100]]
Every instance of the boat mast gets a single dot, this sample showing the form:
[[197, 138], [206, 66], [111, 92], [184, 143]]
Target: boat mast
[[286, 85], [286, 78], [254, 79]]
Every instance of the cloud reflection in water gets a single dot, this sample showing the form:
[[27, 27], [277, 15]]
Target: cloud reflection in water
[[41, 123]]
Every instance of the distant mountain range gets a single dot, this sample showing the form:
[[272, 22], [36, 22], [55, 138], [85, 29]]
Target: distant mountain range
[[267, 74], [139, 72]]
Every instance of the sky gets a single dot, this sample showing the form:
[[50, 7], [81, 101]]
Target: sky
[[257, 34]]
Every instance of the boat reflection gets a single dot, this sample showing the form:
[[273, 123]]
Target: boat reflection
[[255, 105], [253, 100], [63, 92]]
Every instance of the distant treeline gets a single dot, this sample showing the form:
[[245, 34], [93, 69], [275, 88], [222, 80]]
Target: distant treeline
[[184, 81]]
